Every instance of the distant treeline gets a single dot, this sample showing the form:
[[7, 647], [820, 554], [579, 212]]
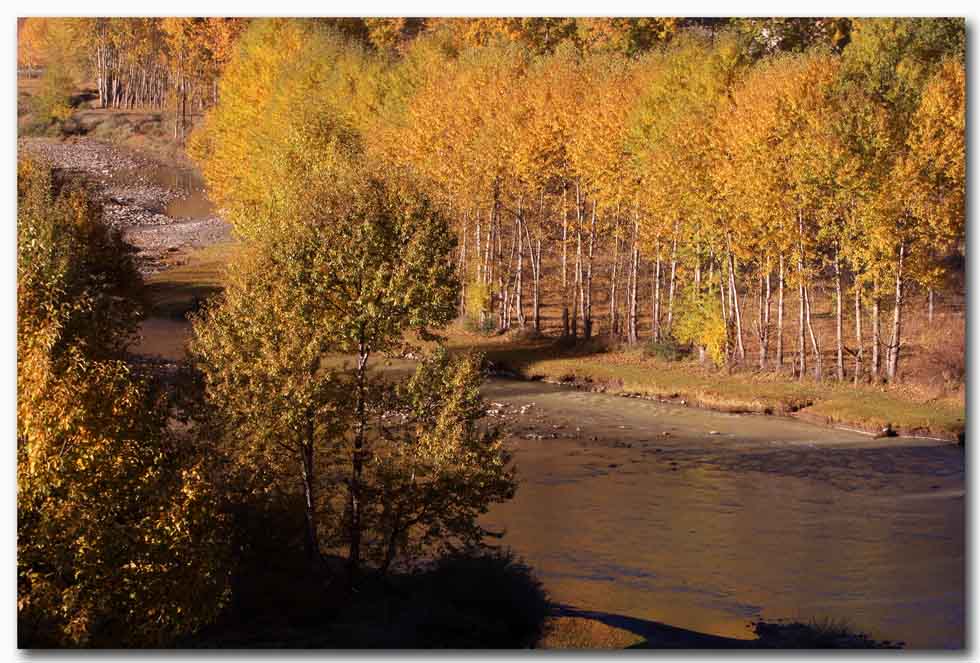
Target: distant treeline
[[175, 62]]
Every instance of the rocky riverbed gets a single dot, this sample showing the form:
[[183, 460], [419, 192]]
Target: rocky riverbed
[[160, 209]]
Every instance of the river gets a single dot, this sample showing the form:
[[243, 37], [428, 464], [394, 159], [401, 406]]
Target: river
[[729, 518]]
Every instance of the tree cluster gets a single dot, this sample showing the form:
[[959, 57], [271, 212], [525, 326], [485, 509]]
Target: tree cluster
[[720, 163], [343, 255], [157, 63]]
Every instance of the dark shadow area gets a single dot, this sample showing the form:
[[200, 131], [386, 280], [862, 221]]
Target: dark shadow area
[[177, 300], [479, 599], [816, 634]]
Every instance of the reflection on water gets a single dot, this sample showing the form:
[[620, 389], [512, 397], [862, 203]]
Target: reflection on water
[[192, 201], [709, 531], [163, 338]]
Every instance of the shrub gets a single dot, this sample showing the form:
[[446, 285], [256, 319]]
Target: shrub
[[119, 539], [477, 316], [816, 634], [701, 323], [52, 103], [485, 598], [666, 350]]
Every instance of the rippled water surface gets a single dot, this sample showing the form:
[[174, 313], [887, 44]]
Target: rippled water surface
[[729, 518]]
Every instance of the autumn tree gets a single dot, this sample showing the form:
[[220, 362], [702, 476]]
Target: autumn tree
[[121, 541], [344, 256], [674, 145], [435, 467], [932, 174], [892, 60]]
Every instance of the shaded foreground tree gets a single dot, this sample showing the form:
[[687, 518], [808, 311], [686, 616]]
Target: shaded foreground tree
[[385, 469], [120, 542]]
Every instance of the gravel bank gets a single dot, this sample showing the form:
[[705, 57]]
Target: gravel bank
[[138, 195]]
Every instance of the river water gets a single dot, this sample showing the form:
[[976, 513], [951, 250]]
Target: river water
[[729, 518]]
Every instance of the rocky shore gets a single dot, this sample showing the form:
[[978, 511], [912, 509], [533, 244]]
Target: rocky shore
[[139, 197]]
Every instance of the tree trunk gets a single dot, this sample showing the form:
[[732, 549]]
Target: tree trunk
[[801, 338], [875, 332], [506, 297], [765, 302], [633, 337], [183, 109], [859, 351], [587, 303], [722, 290], [537, 286], [818, 359], [697, 292], [577, 285], [780, 309], [840, 316], [726, 316], [519, 290], [895, 346], [479, 253], [673, 282], [357, 462], [311, 542], [736, 309], [535, 254], [931, 306], [613, 283], [391, 545], [564, 260], [503, 277], [656, 297]]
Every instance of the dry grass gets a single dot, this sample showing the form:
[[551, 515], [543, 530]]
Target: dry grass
[[582, 633], [148, 132]]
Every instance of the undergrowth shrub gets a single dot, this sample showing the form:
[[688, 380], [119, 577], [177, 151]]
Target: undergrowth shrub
[[666, 349], [488, 599], [51, 105], [701, 323], [477, 316]]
